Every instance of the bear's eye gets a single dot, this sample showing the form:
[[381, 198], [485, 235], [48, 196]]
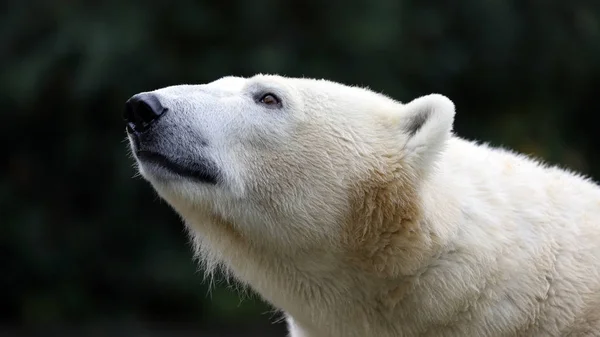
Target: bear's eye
[[270, 100]]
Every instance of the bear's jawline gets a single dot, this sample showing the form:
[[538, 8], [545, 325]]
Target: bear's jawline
[[203, 172]]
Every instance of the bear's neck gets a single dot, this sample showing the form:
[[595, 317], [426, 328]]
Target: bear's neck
[[317, 287], [388, 241]]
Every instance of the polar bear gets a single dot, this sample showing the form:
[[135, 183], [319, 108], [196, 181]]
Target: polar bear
[[357, 215]]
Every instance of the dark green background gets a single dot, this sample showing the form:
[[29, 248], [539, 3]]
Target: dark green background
[[86, 248]]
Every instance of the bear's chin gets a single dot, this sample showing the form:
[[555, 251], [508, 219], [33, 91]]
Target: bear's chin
[[160, 167]]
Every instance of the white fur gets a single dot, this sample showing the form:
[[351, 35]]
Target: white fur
[[501, 246]]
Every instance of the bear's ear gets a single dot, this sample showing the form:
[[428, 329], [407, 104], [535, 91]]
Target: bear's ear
[[427, 124]]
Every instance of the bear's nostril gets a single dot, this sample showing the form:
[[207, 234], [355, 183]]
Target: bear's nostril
[[145, 112], [141, 111]]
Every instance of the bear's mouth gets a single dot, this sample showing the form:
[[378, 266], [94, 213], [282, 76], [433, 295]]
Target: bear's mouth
[[202, 170]]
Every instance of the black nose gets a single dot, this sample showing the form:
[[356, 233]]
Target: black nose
[[141, 111]]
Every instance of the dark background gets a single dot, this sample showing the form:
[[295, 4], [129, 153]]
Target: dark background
[[88, 250]]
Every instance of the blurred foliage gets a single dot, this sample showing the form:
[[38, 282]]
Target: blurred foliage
[[83, 242]]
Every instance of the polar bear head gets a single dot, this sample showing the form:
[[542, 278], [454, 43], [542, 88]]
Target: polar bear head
[[288, 164]]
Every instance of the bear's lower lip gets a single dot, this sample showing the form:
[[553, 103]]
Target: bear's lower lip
[[202, 172]]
